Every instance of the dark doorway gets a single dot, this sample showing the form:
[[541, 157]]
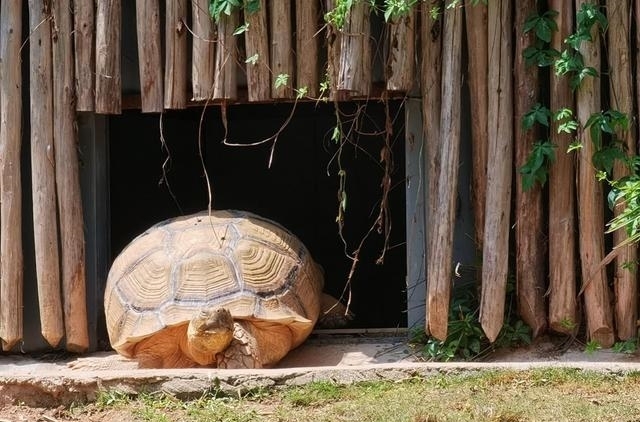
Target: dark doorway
[[296, 184]]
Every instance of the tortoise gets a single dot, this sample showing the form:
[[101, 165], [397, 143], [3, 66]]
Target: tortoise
[[226, 289]]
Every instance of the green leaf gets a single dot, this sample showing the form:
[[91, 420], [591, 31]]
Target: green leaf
[[537, 113], [241, 29], [253, 59], [281, 80]]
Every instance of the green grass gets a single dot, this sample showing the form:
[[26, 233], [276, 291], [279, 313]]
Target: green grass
[[503, 396]]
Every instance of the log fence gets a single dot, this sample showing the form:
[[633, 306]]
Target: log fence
[[556, 234]]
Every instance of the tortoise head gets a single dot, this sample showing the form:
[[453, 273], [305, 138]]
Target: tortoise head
[[210, 332]]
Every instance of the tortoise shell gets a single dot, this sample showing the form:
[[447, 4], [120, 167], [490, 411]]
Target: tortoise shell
[[236, 260]]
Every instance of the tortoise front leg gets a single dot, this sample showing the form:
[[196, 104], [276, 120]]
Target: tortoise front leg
[[255, 346]]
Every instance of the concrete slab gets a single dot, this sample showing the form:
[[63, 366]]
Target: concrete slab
[[341, 359]]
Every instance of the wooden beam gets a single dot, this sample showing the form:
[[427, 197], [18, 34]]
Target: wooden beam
[[11, 259], [150, 55], [281, 52], [442, 222], [84, 27], [495, 258], [226, 82], [401, 56], [307, 49], [203, 48], [175, 65], [108, 72], [43, 173], [354, 74], [256, 40]]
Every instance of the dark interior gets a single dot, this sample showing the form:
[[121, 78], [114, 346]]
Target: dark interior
[[299, 189]]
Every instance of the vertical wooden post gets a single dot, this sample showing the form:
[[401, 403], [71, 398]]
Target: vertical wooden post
[[563, 308], [590, 205], [307, 50], [621, 99], [281, 58], [150, 55], [430, 83], [68, 183], [203, 47], [43, 174], [529, 217], [108, 72], [175, 67], [256, 40], [476, 26], [83, 15], [225, 85], [354, 75], [498, 202], [334, 42], [401, 59], [11, 270], [442, 222]]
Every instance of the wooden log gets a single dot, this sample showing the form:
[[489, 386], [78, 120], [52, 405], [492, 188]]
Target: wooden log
[[590, 205], [431, 86], [175, 65], [563, 307], [476, 29], [621, 99], [495, 255], [226, 84], [442, 222], [281, 58], [108, 72], [334, 42], [84, 27], [150, 55], [11, 271], [401, 58], [43, 174], [354, 74], [203, 48], [307, 49], [256, 40], [68, 184], [529, 217]]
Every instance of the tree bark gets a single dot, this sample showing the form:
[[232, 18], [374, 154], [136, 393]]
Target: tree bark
[[175, 66], [498, 202], [307, 50], [108, 72], [621, 99], [401, 58], [226, 85], [281, 48], [83, 15], [150, 55], [442, 224], [11, 258], [257, 46], [203, 57], [476, 29], [68, 184], [563, 308], [590, 205], [529, 218], [43, 174], [431, 86], [354, 74]]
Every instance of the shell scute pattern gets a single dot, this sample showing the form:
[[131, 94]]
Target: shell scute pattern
[[247, 264]]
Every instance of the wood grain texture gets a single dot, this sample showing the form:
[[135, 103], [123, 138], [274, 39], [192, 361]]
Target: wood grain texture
[[531, 251], [442, 221], [226, 81], [108, 61], [597, 298], [11, 270], [281, 51], [85, 63], [175, 65], [43, 174], [354, 73], [150, 55], [625, 279], [401, 57], [307, 46], [68, 184], [495, 257], [257, 48], [203, 50]]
